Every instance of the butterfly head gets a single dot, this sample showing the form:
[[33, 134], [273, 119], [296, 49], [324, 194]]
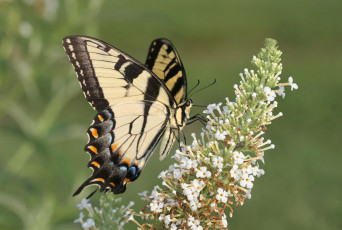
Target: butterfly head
[[186, 108]]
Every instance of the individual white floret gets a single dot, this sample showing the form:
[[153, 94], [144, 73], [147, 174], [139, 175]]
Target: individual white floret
[[270, 94], [203, 173], [292, 84], [222, 195]]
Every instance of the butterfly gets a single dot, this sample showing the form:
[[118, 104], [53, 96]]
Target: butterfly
[[138, 106]]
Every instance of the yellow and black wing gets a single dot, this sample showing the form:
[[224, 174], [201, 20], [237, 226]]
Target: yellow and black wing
[[134, 108], [109, 76], [163, 59], [121, 140]]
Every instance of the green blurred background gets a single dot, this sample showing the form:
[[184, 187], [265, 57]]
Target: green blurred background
[[44, 116]]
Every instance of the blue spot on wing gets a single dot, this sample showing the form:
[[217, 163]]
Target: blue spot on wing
[[123, 168]]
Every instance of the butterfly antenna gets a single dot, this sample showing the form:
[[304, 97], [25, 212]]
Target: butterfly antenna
[[198, 82], [204, 87]]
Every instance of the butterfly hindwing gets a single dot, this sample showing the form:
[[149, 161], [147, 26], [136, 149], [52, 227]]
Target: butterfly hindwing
[[165, 62], [167, 142], [121, 139]]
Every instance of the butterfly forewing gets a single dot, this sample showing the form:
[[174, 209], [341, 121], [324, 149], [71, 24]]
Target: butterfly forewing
[[165, 62], [108, 76]]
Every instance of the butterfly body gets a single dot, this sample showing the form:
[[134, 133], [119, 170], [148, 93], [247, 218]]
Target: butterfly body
[[137, 107]]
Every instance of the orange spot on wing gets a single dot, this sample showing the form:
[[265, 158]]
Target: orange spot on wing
[[126, 181], [100, 118], [114, 146], [94, 132], [127, 161], [96, 164], [93, 148], [98, 179], [112, 184]]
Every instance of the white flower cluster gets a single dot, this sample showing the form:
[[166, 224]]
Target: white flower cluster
[[116, 215], [191, 191], [194, 190], [245, 173], [87, 206], [241, 167], [85, 224]]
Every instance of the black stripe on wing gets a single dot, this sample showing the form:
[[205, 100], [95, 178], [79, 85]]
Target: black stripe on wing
[[163, 59], [79, 57]]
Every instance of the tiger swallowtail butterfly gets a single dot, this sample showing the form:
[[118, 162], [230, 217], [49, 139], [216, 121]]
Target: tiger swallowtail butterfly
[[137, 105]]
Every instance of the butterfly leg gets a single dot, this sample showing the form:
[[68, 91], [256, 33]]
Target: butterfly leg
[[176, 136], [183, 136], [197, 117], [180, 135]]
